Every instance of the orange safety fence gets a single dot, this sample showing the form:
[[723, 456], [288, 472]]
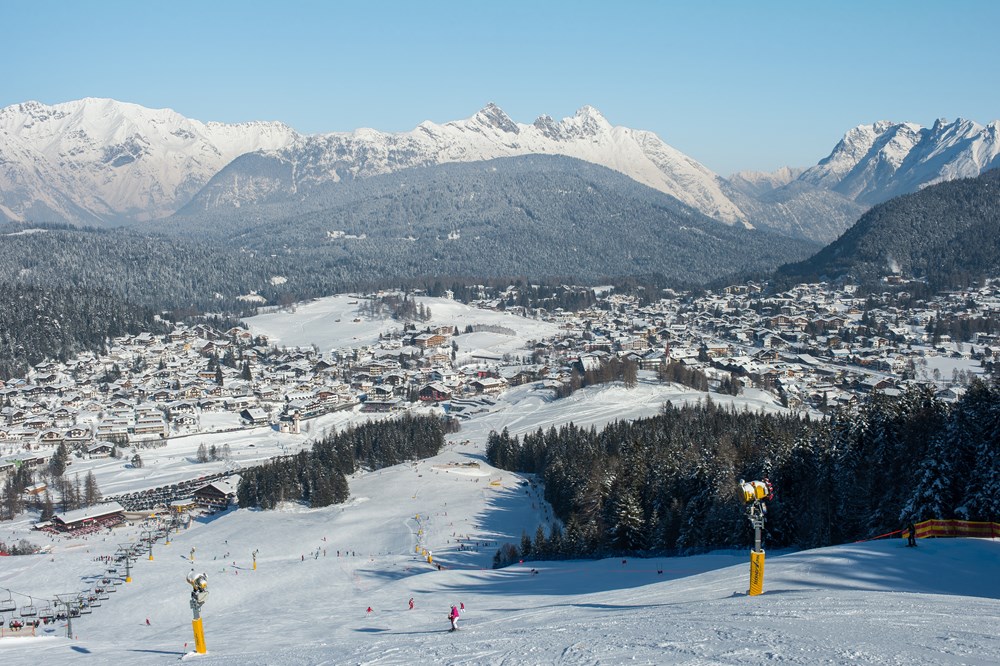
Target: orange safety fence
[[955, 528], [26, 630]]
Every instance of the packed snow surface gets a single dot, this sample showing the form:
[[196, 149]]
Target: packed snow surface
[[318, 570]]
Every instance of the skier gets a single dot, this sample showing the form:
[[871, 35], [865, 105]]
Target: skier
[[147, 621], [411, 603], [369, 611], [911, 535], [453, 618]]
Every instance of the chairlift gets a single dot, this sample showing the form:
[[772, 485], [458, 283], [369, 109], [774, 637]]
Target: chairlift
[[103, 594], [85, 609], [46, 613], [111, 589], [116, 581], [29, 611], [7, 605], [74, 611], [96, 603]]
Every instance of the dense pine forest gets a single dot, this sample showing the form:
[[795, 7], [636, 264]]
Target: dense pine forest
[[668, 484], [317, 477], [57, 323], [945, 234]]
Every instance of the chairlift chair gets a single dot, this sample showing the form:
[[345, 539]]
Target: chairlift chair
[[103, 594], [8, 605], [29, 611], [46, 612], [74, 611], [86, 609], [110, 589]]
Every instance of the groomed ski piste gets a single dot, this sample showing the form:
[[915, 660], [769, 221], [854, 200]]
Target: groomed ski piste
[[876, 602]]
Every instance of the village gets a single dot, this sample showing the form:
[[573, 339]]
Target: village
[[811, 348]]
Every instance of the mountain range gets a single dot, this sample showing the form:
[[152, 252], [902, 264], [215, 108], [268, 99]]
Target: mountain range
[[101, 162]]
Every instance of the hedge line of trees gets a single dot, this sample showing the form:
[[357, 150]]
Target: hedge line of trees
[[317, 477], [668, 484]]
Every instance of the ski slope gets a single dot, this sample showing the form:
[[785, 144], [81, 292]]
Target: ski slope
[[876, 602]]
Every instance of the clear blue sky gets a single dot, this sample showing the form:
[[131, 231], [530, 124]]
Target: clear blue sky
[[735, 84]]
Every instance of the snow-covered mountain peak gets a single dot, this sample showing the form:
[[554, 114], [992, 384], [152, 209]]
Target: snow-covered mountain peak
[[493, 116], [876, 162], [546, 126], [587, 122]]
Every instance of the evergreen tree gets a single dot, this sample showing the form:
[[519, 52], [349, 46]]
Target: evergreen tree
[[91, 493], [57, 463]]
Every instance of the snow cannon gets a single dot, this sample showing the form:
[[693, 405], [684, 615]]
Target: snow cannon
[[198, 583], [199, 593], [756, 491]]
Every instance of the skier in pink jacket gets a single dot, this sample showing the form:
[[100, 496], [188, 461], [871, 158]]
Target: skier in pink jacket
[[453, 617]]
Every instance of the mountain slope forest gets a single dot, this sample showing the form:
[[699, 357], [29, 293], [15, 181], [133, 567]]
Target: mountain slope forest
[[946, 234], [536, 216]]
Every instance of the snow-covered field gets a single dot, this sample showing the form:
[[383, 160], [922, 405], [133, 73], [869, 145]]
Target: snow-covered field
[[319, 570], [329, 323]]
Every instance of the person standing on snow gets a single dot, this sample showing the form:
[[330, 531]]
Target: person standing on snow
[[411, 603], [453, 617]]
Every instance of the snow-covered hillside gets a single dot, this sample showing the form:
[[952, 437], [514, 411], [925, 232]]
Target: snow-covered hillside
[[319, 570]]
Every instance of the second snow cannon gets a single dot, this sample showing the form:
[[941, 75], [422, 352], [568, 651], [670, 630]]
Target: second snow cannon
[[756, 491]]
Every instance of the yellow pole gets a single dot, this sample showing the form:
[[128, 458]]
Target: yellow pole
[[128, 579], [756, 573], [199, 636], [255, 564]]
